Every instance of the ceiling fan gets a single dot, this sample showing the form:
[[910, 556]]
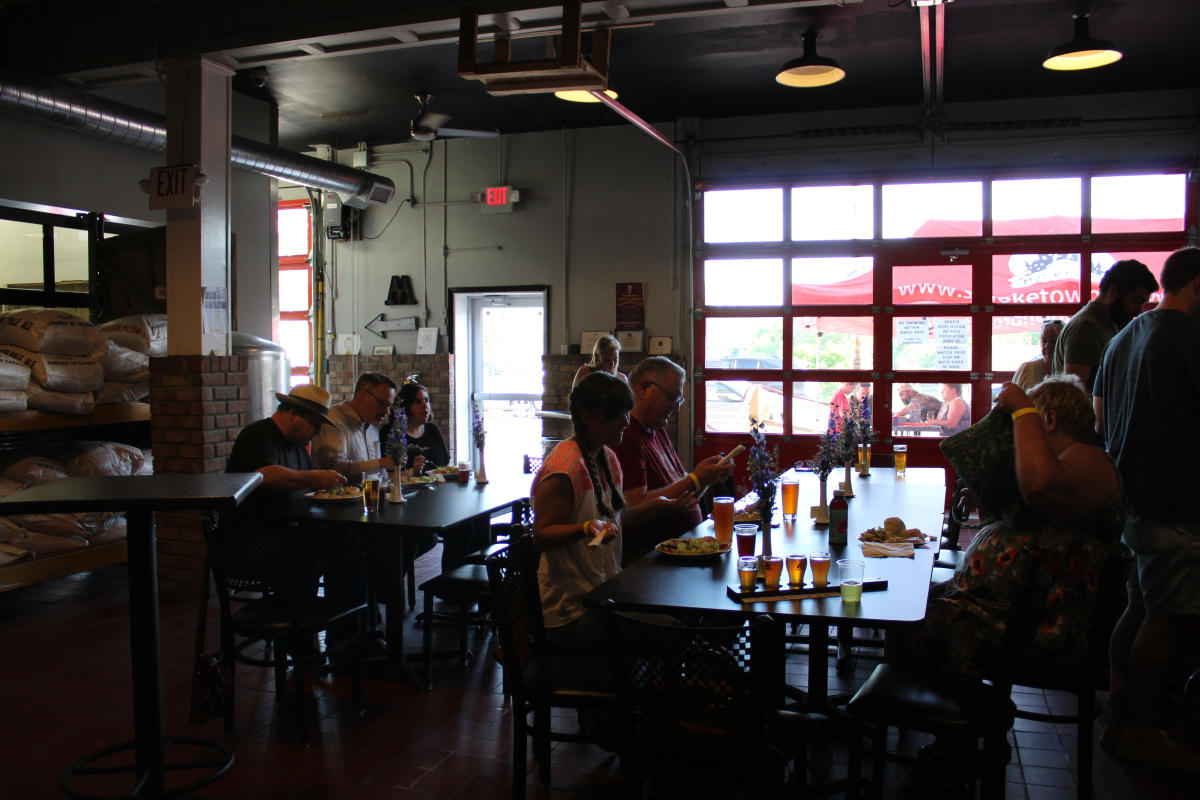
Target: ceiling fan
[[427, 125]]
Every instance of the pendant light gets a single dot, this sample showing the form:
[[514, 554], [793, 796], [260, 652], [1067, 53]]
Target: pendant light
[[1082, 52], [810, 70], [582, 95]]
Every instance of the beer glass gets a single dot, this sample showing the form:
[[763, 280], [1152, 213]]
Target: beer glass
[[790, 492], [722, 515], [901, 453], [747, 572], [850, 576], [819, 562], [772, 571], [747, 533], [796, 565], [370, 492]]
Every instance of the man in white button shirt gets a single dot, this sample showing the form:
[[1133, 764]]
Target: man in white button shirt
[[346, 446]]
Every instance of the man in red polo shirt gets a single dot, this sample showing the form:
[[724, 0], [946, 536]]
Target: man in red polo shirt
[[650, 465]]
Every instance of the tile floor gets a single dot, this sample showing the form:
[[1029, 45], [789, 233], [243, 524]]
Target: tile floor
[[65, 692]]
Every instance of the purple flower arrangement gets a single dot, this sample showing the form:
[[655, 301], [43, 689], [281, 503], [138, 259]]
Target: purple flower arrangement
[[477, 429], [763, 464], [397, 439]]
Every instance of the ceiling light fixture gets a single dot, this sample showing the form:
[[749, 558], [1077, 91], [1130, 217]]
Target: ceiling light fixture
[[1082, 52], [582, 95], [810, 69]]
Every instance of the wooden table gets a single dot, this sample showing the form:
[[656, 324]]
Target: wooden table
[[139, 497], [437, 508], [660, 584]]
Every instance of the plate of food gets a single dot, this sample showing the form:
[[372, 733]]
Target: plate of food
[[749, 515], [693, 548], [893, 530], [444, 471], [419, 480], [342, 494]]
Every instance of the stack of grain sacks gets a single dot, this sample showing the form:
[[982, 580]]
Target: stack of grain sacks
[[59, 350], [131, 342], [47, 534]]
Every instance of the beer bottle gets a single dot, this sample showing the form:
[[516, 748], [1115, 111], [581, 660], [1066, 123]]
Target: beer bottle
[[838, 511]]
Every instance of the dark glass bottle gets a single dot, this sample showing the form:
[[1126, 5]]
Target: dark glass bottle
[[838, 512]]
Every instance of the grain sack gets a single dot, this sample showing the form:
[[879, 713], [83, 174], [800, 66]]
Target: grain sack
[[13, 401], [14, 376], [147, 463], [44, 330], [29, 470], [113, 533], [58, 373], [61, 402], [11, 555], [41, 544], [118, 392], [122, 364], [103, 458], [145, 333]]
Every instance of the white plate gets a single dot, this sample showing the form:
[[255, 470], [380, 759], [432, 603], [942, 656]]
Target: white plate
[[725, 548], [316, 497]]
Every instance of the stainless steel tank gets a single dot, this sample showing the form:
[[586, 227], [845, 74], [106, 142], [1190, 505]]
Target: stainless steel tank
[[267, 372]]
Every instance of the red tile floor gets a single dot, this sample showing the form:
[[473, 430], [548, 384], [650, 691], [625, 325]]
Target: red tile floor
[[65, 692]]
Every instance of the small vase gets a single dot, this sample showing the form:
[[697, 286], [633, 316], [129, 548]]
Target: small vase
[[820, 513], [845, 485], [764, 523], [396, 494], [480, 469]]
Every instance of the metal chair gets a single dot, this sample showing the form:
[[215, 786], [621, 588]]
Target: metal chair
[[258, 571], [536, 677]]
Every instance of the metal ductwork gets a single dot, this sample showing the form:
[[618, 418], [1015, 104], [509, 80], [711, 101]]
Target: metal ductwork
[[117, 122]]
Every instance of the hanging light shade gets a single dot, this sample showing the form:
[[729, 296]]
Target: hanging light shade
[[810, 69], [581, 96], [1082, 52]]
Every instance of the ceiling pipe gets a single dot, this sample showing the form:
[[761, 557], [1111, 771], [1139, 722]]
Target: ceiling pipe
[[116, 122]]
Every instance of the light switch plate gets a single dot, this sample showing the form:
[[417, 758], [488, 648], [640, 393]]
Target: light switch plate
[[347, 344]]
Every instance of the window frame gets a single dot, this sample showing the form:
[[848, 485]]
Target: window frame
[[887, 253], [298, 263]]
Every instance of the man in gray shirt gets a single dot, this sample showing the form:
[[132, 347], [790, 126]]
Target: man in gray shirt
[[346, 445], [1124, 289]]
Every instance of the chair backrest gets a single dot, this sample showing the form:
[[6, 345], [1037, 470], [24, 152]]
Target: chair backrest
[[517, 607], [697, 680], [255, 558]]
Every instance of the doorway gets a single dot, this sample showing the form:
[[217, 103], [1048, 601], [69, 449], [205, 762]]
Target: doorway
[[499, 339]]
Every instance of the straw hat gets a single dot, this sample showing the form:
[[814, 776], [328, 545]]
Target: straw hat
[[308, 398]]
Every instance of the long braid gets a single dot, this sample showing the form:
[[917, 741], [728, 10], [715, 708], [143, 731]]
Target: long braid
[[581, 439]]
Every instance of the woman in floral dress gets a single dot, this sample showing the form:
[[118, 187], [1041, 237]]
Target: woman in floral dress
[[1067, 516]]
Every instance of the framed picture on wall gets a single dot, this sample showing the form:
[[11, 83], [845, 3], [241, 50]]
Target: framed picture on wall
[[589, 341], [631, 341], [383, 350], [659, 346]]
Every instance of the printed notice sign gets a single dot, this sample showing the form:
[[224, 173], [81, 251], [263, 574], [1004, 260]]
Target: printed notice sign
[[952, 356], [951, 331], [215, 317], [912, 331], [427, 340]]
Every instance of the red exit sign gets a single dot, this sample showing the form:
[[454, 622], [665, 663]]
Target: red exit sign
[[498, 199]]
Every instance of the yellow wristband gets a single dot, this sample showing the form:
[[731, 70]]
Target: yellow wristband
[[1020, 412], [585, 528], [695, 480]]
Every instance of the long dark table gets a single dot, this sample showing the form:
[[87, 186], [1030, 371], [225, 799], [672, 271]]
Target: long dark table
[[139, 497], [657, 583], [438, 507]]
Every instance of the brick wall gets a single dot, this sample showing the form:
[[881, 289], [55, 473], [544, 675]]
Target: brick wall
[[435, 372], [556, 390], [198, 404]]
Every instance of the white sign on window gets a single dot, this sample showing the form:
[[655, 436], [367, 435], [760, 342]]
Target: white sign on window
[[912, 331], [952, 356], [951, 331]]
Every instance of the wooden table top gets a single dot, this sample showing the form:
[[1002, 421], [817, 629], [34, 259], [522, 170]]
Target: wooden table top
[[664, 584]]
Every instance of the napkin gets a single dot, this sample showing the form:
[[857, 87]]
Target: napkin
[[885, 549]]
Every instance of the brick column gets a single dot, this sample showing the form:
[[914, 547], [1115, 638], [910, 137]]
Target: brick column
[[198, 404]]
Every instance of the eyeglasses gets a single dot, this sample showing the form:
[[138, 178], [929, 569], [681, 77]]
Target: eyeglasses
[[382, 404], [676, 398]]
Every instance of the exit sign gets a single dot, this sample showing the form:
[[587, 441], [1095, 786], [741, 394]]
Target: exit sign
[[499, 199], [173, 187]]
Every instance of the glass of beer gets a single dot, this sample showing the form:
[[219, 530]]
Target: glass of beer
[[772, 571], [796, 565], [722, 515], [789, 490], [820, 569], [901, 453], [747, 534], [370, 492], [747, 572], [850, 576]]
